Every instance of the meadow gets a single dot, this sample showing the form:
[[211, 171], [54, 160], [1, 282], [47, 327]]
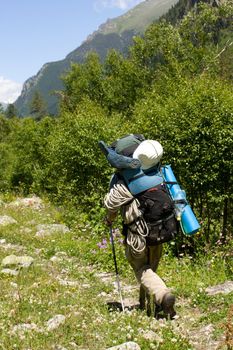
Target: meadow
[[67, 297]]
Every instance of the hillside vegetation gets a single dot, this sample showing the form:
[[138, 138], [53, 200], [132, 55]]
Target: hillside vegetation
[[175, 86]]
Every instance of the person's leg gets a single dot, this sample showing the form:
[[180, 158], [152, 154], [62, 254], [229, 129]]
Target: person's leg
[[137, 261], [144, 265], [166, 297], [155, 254]]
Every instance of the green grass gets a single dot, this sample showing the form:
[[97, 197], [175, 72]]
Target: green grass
[[37, 294]]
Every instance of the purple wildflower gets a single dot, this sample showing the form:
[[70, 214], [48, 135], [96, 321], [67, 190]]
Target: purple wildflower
[[103, 244]]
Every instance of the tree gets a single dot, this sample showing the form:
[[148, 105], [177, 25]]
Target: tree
[[11, 111], [122, 83], [37, 106], [83, 80], [1, 109], [193, 121]]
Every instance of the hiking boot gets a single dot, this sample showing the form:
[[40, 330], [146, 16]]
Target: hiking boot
[[168, 305], [157, 313]]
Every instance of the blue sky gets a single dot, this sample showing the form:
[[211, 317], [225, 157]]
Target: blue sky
[[34, 32]]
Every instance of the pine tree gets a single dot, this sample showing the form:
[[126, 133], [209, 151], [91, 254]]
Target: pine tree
[[11, 111], [37, 106], [1, 109]]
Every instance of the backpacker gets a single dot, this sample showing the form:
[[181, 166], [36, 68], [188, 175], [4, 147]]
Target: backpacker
[[163, 203], [148, 187]]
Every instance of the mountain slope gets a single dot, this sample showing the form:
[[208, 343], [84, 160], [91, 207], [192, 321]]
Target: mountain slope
[[116, 33], [138, 18]]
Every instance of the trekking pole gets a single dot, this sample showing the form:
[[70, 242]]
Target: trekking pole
[[116, 269]]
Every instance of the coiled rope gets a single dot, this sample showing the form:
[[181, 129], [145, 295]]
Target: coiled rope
[[120, 197]]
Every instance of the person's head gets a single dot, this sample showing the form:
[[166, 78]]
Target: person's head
[[149, 152]]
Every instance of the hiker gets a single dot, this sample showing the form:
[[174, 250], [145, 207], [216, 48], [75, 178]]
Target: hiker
[[139, 192]]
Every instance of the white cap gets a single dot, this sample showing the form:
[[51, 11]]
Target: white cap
[[149, 152]]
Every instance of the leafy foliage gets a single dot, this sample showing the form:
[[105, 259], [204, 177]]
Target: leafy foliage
[[24, 152], [11, 111], [193, 121], [37, 106], [76, 167], [174, 86]]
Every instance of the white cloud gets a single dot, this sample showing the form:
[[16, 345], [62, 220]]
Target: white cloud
[[9, 90], [121, 4]]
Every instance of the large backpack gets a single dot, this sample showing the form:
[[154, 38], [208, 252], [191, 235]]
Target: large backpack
[[149, 188], [158, 211], [127, 144]]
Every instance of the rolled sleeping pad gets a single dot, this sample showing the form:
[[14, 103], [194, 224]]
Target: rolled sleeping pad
[[188, 221], [118, 161]]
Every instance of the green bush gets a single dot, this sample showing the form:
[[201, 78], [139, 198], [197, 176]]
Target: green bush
[[169, 88], [193, 120], [77, 169], [23, 153]]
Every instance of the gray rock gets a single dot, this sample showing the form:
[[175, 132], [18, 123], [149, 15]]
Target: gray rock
[[23, 327], [224, 288], [68, 283], [5, 245], [150, 335], [21, 261], [47, 230], [10, 272], [126, 346], [30, 202], [55, 259], [7, 220], [55, 322]]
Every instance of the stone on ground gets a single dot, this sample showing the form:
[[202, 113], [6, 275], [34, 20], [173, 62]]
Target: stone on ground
[[47, 230], [126, 346], [55, 322], [21, 261], [10, 272], [223, 288], [33, 202], [7, 220]]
